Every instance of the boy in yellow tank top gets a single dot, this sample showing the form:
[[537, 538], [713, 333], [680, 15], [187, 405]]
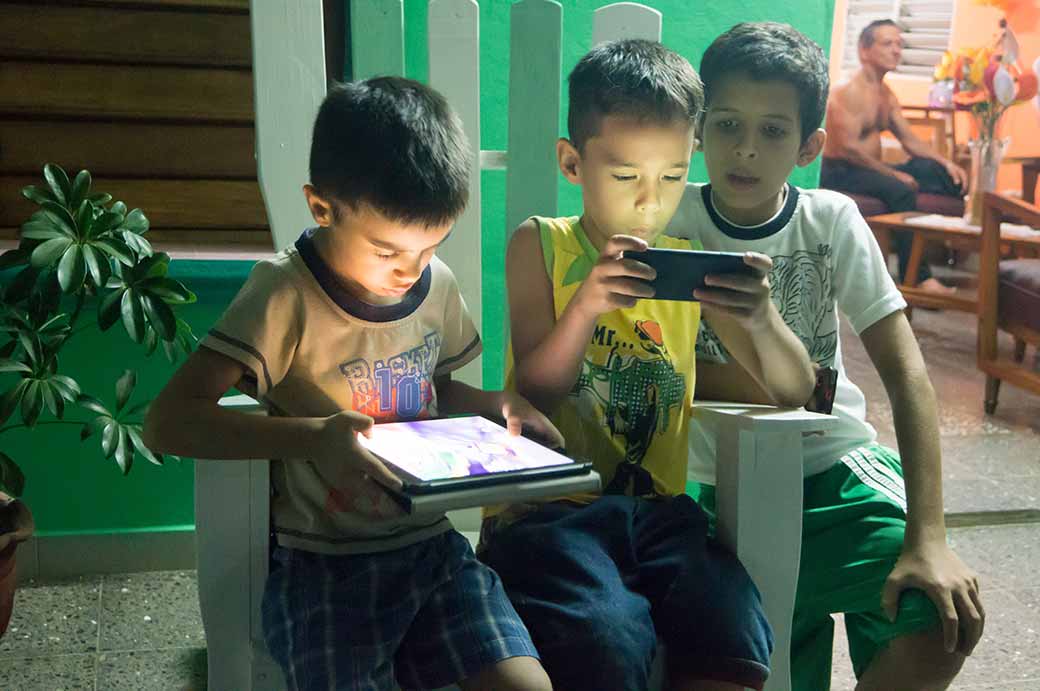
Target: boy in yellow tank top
[[599, 579]]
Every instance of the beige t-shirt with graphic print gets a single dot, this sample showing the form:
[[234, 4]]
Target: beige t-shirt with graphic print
[[311, 349]]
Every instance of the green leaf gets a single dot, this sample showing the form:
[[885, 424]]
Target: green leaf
[[119, 208], [91, 403], [125, 388], [99, 267], [50, 252], [43, 229], [160, 316], [7, 365], [61, 216], [72, 269], [109, 438], [116, 249], [85, 219], [30, 346], [32, 402], [139, 445], [86, 431], [22, 284], [137, 408], [169, 290], [11, 478], [58, 181], [54, 402], [106, 222], [80, 188], [133, 315], [13, 258], [38, 195], [108, 310], [124, 451], [137, 244], [10, 399], [136, 222], [67, 387], [100, 198], [154, 266], [151, 341]]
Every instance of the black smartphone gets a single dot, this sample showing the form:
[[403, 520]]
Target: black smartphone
[[822, 399], [680, 272]]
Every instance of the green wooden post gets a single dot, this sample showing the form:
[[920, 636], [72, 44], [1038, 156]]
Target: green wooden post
[[376, 38]]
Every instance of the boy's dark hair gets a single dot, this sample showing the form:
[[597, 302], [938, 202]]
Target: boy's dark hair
[[633, 78], [394, 144], [866, 37], [768, 51]]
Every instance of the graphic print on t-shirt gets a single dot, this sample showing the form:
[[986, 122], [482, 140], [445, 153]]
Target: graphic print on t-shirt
[[801, 287], [399, 387]]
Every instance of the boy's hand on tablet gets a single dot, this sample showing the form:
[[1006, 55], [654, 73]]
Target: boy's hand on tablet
[[744, 298], [338, 443], [520, 415], [615, 282]]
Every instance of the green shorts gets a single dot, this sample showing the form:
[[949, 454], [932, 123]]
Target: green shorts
[[852, 535]]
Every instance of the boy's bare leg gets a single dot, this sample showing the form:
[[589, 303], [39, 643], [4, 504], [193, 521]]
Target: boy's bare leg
[[915, 662], [513, 674]]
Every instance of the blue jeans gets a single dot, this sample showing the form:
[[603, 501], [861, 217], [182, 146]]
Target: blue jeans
[[598, 584]]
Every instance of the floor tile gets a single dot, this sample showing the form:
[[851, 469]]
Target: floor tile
[[1004, 556], [56, 673], [180, 669], [54, 619], [144, 611]]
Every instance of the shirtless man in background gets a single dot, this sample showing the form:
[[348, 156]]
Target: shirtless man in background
[[858, 110]]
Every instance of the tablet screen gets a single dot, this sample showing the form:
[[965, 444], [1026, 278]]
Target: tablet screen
[[456, 448]]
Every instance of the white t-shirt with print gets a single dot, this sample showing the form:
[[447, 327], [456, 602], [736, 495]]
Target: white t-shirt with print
[[825, 260]]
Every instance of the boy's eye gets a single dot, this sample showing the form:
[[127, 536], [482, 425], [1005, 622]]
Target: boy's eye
[[624, 178], [384, 255], [726, 124], [774, 131], [673, 178]]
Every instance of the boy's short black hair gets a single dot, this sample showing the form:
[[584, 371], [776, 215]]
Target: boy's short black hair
[[394, 144], [633, 78], [770, 51], [866, 37]]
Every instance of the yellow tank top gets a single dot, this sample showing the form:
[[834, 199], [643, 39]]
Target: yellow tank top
[[630, 407]]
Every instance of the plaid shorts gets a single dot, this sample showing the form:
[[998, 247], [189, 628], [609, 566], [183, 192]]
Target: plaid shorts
[[423, 616]]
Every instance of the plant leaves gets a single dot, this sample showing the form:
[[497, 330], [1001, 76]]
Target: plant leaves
[[170, 290], [13, 258], [137, 244], [10, 400], [11, 478], [58, 182], [119, 208], [85, 219], [72, 269], [48, 253], [42, 229], [139, 445], [107, 221], [133, 315], [116, 249], [136, 222], [100, 198], [80, 188], [108, 310], [160, 316], [125, 388], [124, 450], [99, 267], [137, 408], [7, 365], [54, 402], [91, 403], [151, 341], [38, 195], [32, 402], [109, 438], [67, 387], [61, 217]]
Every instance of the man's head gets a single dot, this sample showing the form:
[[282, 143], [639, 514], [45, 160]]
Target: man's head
[[631, 121], [881, 45], [389, 171], [765, 88]]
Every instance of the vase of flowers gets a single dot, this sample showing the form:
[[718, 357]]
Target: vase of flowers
[[985, 81]]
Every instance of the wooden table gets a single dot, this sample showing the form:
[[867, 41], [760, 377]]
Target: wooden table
[[883, 226], [1030, 171]]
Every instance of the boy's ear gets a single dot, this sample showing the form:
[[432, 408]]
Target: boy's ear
[[321, 208], [569, 160], [811, 148]]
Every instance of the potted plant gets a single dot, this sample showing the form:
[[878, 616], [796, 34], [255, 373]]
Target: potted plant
[[80, 254]]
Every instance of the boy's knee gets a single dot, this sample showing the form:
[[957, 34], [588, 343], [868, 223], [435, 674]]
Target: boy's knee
[[519, 673], [609, 653], [918, 660]]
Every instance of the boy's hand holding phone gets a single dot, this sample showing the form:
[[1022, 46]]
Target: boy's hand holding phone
[[615, 282], [742, 297]]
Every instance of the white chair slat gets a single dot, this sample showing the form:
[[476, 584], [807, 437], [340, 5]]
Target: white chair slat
[[454, 46], [288, 87], [376, 38], [625, 20]]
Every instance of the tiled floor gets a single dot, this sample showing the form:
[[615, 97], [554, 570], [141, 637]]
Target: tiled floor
[[143, 631]]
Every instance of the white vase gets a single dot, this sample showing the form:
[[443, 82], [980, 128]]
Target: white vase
[[986, 157]]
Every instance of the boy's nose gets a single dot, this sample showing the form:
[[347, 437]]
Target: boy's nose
[[649, 198]]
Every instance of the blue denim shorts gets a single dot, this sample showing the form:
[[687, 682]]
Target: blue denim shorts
[[600, 583], [423, 616]]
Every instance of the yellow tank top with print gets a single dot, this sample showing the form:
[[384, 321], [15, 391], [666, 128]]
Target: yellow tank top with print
[[629, 410]]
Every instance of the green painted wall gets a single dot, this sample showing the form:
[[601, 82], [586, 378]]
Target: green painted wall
[[72, 489]]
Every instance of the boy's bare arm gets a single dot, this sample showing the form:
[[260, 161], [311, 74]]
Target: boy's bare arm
[[186, 419], [739, 309], [926, 562], [547, 353], [455, 397]]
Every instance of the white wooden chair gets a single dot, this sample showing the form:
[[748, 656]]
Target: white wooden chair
[[759, 492]]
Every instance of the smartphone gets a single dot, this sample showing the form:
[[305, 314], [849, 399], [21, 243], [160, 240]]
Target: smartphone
[[822, 400], [680, 272]]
